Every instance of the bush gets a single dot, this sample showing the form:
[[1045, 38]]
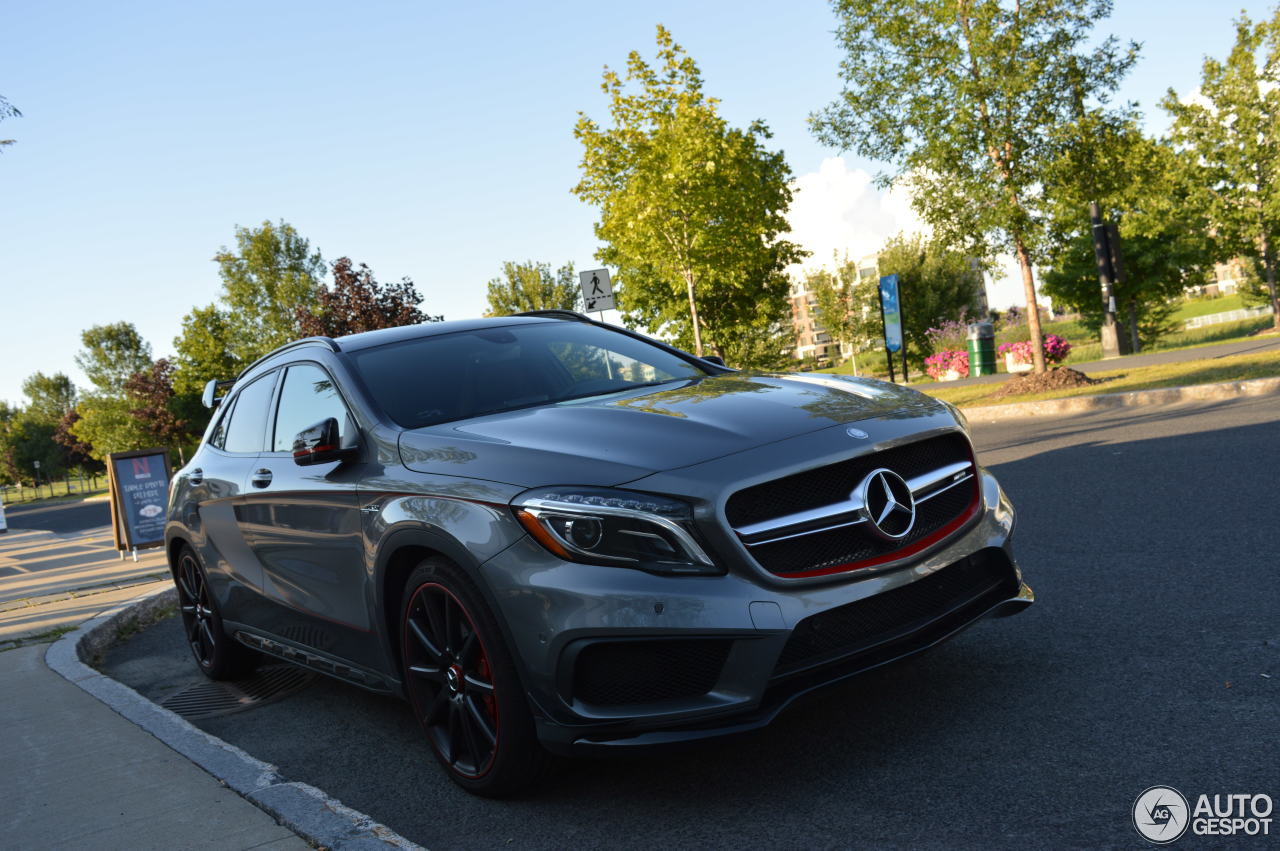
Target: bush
[[940, 364], [948, 335], [1056, 349]]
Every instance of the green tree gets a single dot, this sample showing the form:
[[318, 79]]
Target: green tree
[[49, 397], [358, 303], [266, 280], [533, 286], [203, 350], [845, 305], [1233, 129], [935, 283], [108, 424], [28, 439], [1148, 190], [7, 110], [691, 209], [111, 354], [964, 98]]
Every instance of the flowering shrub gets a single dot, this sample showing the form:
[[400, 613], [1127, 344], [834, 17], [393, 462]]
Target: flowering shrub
[[945, 361], [1056, 349], [949, 334]]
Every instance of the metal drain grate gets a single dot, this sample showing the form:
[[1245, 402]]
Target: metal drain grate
[[269, 683]]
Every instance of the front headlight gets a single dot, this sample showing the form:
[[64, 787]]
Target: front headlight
[[614, 527]]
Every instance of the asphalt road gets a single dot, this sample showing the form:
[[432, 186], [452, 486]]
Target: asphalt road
[[1149, 537], [61, 518]]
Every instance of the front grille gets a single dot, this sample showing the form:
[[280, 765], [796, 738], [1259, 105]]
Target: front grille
[[850, 547], [613, 673], [962, 590], [825, 485]]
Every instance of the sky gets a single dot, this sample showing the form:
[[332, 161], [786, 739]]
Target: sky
[[426, 139]]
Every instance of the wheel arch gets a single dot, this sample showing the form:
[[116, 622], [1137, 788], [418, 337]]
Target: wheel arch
[[400, 552], [172, 549]]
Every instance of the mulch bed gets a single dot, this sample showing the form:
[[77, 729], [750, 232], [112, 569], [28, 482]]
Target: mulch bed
[[1060, 378]]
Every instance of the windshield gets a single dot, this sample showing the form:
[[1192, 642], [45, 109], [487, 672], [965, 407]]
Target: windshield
[[467, 374]]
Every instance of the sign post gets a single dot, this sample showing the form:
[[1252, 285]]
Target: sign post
[[891, 313], [597, 291], [138, 486]]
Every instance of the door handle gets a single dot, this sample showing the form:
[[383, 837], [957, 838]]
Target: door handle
[[261, 478], [196, 476]]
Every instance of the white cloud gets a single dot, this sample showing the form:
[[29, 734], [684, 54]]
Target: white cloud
[[838, 210]]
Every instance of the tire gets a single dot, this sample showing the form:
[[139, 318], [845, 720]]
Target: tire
[[219, 656], [461, 680]]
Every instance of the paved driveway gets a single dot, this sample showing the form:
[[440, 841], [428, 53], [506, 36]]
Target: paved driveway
[[1152, 657]]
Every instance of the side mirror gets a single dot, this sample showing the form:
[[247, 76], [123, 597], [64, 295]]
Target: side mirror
[[715, 359], [319, 445], [210, 397]]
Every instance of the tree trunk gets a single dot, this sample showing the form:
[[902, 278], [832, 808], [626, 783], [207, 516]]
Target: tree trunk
[[1033, 310], [1269, 261], [1134, 339], [693, 314]]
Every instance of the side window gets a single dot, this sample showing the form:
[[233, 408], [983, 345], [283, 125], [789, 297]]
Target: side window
[[249, 417], [218, 437], [307, 398]]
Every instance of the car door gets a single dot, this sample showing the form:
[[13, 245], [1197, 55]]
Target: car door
[[218, 481], [303, 524]]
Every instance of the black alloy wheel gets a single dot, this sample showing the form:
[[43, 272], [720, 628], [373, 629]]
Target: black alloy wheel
[[462, 684], [219, 656]]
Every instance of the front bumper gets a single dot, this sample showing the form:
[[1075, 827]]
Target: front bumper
[[752, 648]]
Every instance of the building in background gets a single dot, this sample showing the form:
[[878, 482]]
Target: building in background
[[812, 342]]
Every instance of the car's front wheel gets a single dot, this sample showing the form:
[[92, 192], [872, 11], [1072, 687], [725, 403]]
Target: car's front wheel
[[462, 683], [219, 655]]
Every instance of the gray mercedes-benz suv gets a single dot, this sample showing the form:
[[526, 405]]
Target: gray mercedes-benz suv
[[550, 534]]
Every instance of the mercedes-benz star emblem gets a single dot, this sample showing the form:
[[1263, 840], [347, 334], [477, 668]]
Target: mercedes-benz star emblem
[[887, 504]]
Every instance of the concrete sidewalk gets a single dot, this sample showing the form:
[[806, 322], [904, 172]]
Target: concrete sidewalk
[[51, 583], [77, 775]]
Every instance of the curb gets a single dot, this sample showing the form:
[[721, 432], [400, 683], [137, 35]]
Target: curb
[[1161, 396], [323, 821]]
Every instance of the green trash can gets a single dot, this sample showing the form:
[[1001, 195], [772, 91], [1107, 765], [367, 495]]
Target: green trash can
[[982, 349]]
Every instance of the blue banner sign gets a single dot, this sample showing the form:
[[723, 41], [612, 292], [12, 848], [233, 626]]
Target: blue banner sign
[[139, 492], [889, 309]]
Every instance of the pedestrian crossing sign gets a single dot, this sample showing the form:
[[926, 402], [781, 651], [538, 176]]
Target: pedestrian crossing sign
[[597, 290]]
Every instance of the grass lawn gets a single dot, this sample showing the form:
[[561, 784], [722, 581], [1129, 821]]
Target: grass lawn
[[12, 495], [1236, 368], [872, 363], [1194, 307]]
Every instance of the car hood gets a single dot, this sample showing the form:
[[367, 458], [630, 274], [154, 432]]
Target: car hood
[[608, 440]]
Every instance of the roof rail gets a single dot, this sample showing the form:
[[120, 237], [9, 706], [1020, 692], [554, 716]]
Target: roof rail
[[305, 341], [569, 315]]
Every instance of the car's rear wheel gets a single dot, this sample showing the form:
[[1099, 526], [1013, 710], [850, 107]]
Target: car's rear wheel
[[219, 656], [462, 683]]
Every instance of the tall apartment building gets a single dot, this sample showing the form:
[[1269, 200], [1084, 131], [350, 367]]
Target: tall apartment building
[[812, 340]]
